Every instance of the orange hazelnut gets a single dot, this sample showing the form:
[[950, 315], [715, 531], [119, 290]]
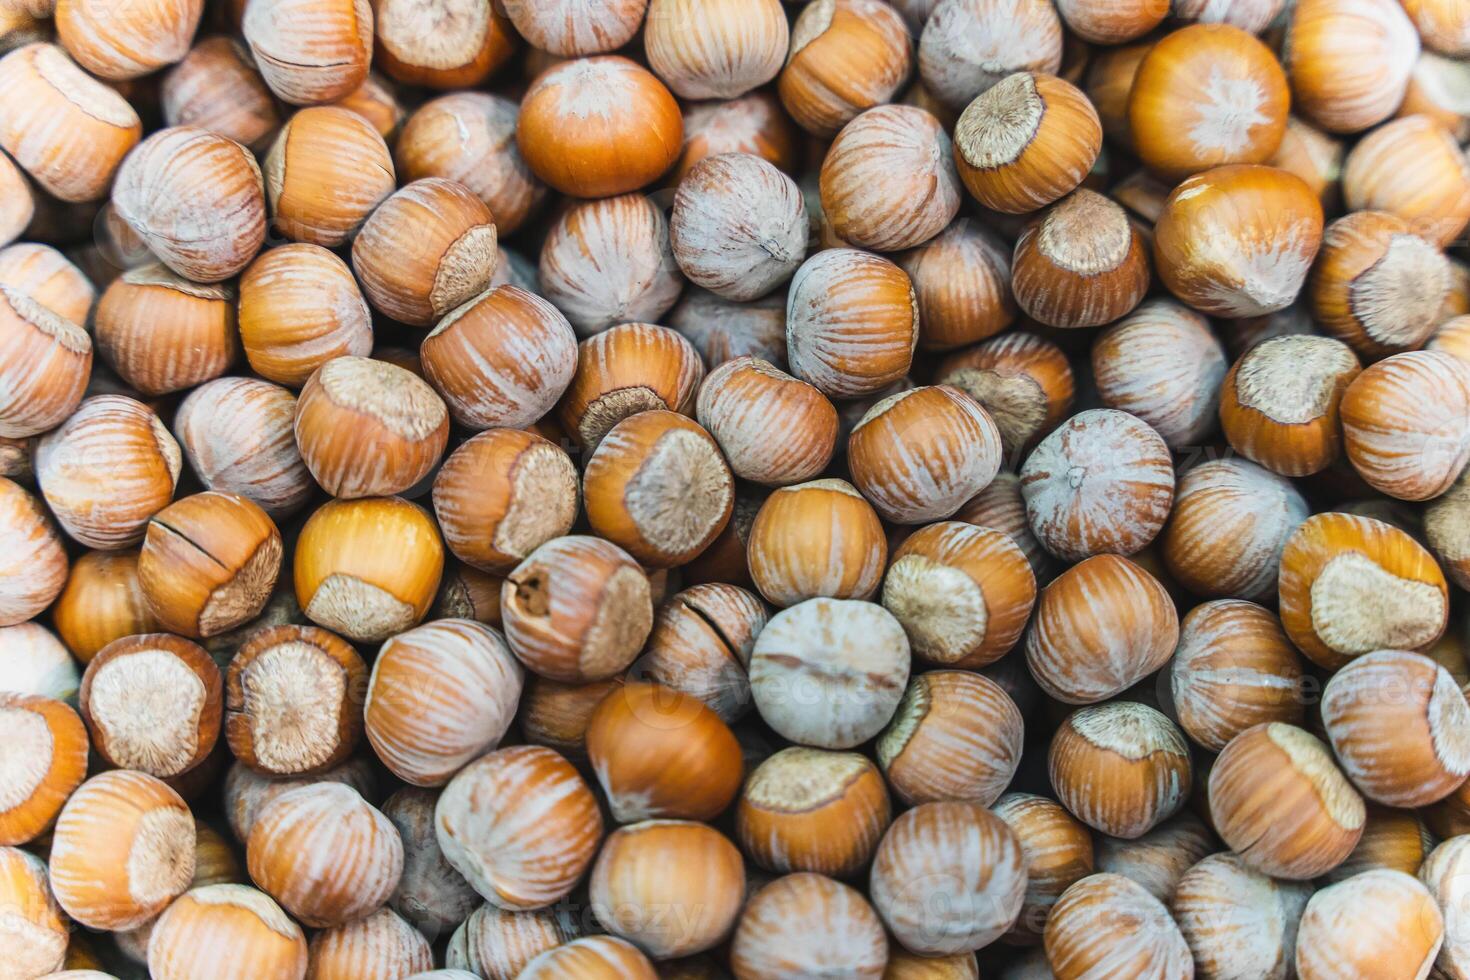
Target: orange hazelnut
[[237, 435], [968, 46], [1237, 921], [377, 101], [1280, 802], [309, 51], [502, 359], [1353, 585], [497, 945], [1414, 169], [122, 850], [38, 928], [1339, 936], [443, 44], [948, 878], [829, 673], [961, 280], [1109, 84], [325, 173], [101, 602], [109, 468], [127, 43], [715, 50], [49, 744], [1120, 767], [556, 715], [569, 28], [1437, 89], [962, 593], [50, 279], [1279, 403], [1393, 839], [425, 250], [1349, 62], [955, 736], [299, 308], [754, 124], [1058, 852], [380, 945], [596, 127], [577, 609], [1104, 22], [17, 201], [1238, 240], [845, 56], [809, 810], [209, 563], [589, 958], [852, 322], [325, 854], [1159, 858], [1442, 25], [1103, 482], [48, 361], [468, 593], [701, 643], [1207, 95], [608, 262], [348, 582], [64, 127], [217, 87], [745, 400], [291, 699], [1313, 156], [1081, 263], [808, 925], [1022, 381], [657, 486], [1100, 627], [440, 696], [1106, 922], [1406, 423], [34, 568], [247, 793], [469, 137], [817, 539], [163, 333], [1025, 142], [520, 825], [229, 931]]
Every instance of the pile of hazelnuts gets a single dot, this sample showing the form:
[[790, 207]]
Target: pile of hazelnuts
[[692, 489]]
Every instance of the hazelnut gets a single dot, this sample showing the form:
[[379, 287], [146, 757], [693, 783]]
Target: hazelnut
[[162, 333], [596, 127], [1411, 168], [808, 925], [661, 753], [630, 368], [325, 173], [468, 593], [590, 958], [955, 736], [657, 486], [325, 854], [845, 56], [1057, 849], [64, 127], [1207, 95], [299, 308], [34, 569], [1352, 585], [127, 43], [247, 793], [33, 661], [556, 715], [961, 279], [50, 745], [1159, 858], [715, 50], [1404, 423], [755, 123], [292, 700], [701, 644], [50, 279], [497, 945], [1109, 84], [1443, 529], [48, 360], [1101, 483], [520, 825], [209, 563], [948, 878], [829, 673], [195, 199], [39, 930], [425, 250], [431, 895], [1120, 767], [1442, 25], [1103, 22], [382, 944], [1238, 240], [1443, 874], [1377, 286], [852, 322], [232, 930], [122, 850], [745, 399], [237, 435], [1101, 627], [968, 46], [109, 468], [1081, 263], [217, 87], [1400, 936], [1315, 157], [17, 201], [348, 582], [1237, 921], [569, 28], [1349, 62], [442, 44], [377, 101], [1231, 519], [609, 262], [1023, 382], [440, 696], [1393, 839], [577, 609], [310, 51], [1107, 922], [962, 593], [1028, 140], [102, 601], [1279, 403]]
